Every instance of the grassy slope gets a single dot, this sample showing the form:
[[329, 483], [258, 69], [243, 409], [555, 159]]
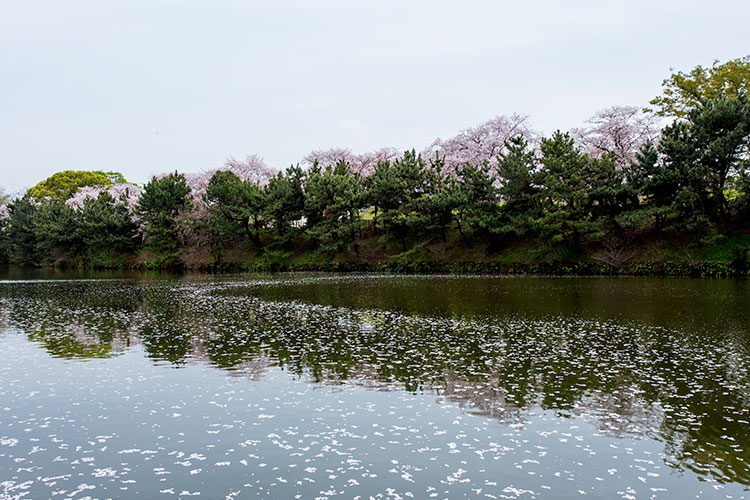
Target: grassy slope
[[726, 256]]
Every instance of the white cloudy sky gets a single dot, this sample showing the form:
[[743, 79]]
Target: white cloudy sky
[[147, 86]]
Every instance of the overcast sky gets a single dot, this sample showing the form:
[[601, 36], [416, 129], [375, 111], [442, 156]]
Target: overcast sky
[[147, 86]]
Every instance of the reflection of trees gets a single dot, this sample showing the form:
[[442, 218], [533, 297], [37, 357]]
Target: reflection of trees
[[80, 341], [71, 320], [630, 381], [621, 414], [691, 392], [168, 327]]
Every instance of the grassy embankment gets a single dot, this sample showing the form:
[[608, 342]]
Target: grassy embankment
[[728, 256]]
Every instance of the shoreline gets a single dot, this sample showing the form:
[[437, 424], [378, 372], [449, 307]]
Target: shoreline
[[675, 268]]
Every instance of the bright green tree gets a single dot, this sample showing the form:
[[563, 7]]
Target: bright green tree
[[62, 185], [685, 91]]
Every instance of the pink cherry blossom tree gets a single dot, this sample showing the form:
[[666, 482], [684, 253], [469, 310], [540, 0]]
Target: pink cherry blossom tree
[[195, 223], [621, 130], [330, 156], [481, 144], [127, 191], [366, 162], [363, 163], [4, 200], [253, 168], [475, 145]]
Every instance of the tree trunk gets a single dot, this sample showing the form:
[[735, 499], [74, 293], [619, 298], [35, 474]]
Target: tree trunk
[[253, 235], [460, 230]]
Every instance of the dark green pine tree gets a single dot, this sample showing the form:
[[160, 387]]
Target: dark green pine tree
[[236, 206], [56, 231], [386, 191], [162, 201], [566, 179], [107, 228], [477, 211], [708, 152], [720, 133], [434, 209], [403, 221], [518, 191], [285, 201], [333, 200], [656, 186], [22, 241]]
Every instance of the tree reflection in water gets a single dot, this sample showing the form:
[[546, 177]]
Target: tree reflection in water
[[687, 389]]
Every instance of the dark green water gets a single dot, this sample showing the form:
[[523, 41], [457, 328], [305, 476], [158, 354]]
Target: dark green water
[[319, 386]]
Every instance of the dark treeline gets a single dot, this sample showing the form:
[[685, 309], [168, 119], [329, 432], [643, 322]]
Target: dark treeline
[[691, 184]]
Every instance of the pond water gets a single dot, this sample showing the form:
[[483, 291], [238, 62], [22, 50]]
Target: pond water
[[363, 386]]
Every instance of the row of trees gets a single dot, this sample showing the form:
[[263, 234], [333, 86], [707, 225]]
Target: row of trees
[[487, 187]]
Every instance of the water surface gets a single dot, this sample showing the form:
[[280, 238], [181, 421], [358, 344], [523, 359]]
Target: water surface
[[321, 386]]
